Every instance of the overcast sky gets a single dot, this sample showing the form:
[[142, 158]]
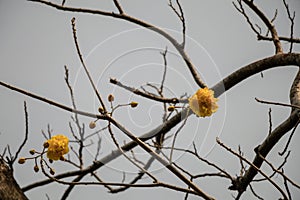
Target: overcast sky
[[36, 42]]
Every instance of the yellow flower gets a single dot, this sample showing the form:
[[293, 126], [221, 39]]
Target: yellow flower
[[203, 103], [58, 146]]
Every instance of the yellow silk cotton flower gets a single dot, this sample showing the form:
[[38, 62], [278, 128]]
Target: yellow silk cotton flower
[[57, 146], [203, 103]]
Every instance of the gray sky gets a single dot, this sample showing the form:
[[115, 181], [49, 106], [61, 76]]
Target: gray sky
[[36, 42]]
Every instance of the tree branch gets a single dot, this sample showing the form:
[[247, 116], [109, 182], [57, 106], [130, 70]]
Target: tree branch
[[141, 23]]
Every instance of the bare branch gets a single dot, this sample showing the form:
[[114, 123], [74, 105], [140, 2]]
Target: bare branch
[[175, 136], [164, 54], [292, 19], [287, 39], [277, 103], [180, 15], [53, 103], [267, 22], [280, 172], [24, 141], [271, 27], [117, 4], [270, 121], [141, 23], [289, 140], [146, 95], [254, 193], [138, 177], [239, 187], [243, 12], [84, 66], [286, 186]]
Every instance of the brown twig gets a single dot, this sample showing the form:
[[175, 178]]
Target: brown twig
[[280, 172], [137, 178], [267, 22], [286, 39], [119, 7], [277, 103], [269, 25], [146, 95], [164, 55], [289, 140], [53, 103], [242, 189], [180, 15], [15, 157], [270, 121], [254, 193], [84, 66], [76, 120], [278, 168], [141, 23], [292, 19]]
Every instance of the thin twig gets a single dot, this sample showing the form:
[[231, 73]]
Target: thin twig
[[270, 120], [141, 23], [285, 182], [119, 7], [243, 12], [138, 177], [127, 157], [80, 129], [53, 103], [25, 139], [280, 172], [291, 18], [277, 103], [254, 193], [286, 39], [269, 25], [164, 54], [175, 136], [180, 15], [84, 66], [146, 95], [243, 168], [252, 165], [289, 140]]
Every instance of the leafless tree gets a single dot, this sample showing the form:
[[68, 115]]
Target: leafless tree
[[176, 113]]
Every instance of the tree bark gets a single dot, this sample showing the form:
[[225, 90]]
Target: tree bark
[[9, 188]]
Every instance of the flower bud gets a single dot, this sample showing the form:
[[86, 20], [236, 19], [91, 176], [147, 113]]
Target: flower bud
[[46, 144], [111, 98], [101, 110], [133, 104], [36, 168], [50, 160], [52, 172], [171, 108], [32, 151], [92, 125], [22, 160]]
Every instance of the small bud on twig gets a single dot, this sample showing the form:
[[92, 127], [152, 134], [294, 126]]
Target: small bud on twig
[[92, 125], [111, 98], [22, 160], [133, 104]]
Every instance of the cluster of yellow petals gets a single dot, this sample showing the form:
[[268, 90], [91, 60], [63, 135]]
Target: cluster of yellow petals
[[203, 103], [57, 146]]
